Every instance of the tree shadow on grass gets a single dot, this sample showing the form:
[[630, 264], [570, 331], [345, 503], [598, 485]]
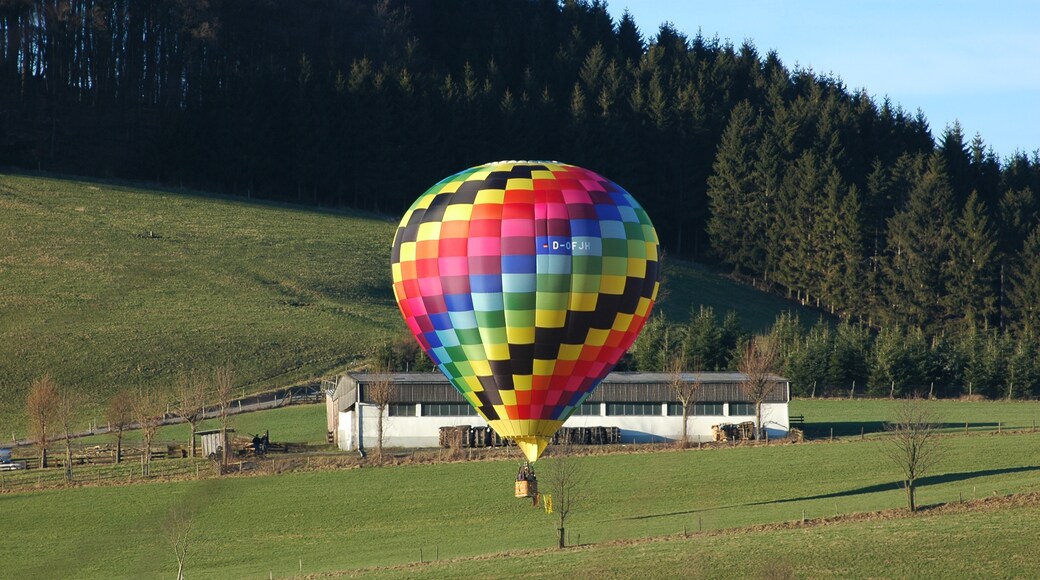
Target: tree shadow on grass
[[880, 487], [852, 428]]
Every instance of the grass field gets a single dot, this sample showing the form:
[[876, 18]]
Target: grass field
[[249, 526], [998, 544], [111, 286], [850, 418]]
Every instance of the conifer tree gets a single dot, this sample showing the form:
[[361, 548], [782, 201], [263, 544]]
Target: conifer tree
[[736, 200], [1024, 289], [703, 345], [919, 237], [971, 269]]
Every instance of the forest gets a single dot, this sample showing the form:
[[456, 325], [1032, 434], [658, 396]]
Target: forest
[[785, 177]]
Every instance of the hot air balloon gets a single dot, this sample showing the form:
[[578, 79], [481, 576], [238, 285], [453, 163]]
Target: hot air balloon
[[525, 282]]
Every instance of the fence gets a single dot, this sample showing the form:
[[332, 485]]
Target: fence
[[303, 394], [127, 471]]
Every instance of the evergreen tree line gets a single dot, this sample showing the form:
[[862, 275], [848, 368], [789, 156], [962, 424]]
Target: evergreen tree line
[[847, 359], [943, 241], [786, 175]]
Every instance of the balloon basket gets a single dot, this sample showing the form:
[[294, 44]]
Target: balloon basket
[[526, 488]]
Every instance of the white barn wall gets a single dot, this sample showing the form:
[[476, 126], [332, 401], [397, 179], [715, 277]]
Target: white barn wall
[[419, 431]]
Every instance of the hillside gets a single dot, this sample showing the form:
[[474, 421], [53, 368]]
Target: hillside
[[112, 286]]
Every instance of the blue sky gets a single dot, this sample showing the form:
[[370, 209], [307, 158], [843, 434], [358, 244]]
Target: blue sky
[[976, 62]]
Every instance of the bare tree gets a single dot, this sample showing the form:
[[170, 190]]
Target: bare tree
[[565, 479], [191, 394], [381, 391], [758, 364], [65, 414], [685, 391], [41, 406], [913, 444], [224, 386], [120, 414], [177, 529], [150, 414]]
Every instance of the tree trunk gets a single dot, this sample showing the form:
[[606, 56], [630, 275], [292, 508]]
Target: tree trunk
[[68, 458], [379, 435], [119, 447], [560, 536], [685, 420], [911, 500], [758, 419], [191, 442]]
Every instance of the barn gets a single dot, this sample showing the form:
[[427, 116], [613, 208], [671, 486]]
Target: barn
[[642, 406]]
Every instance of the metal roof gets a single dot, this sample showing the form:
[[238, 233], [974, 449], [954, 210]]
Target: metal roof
[[616, 387], [620, 377]]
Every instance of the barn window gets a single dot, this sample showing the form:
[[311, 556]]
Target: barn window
[[587, 409], [741, 409], [707, 409], [447, 410], [401, 410], [633, 408], [675, 409]]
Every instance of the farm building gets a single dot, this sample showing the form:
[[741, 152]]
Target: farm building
[[641, 406]]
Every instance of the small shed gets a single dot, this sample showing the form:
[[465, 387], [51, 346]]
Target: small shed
[[214, 441]]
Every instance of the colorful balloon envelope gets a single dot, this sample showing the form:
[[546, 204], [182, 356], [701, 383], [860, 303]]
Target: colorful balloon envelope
[[526, 282]]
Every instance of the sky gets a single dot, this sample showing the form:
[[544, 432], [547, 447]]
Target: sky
[[973, 62]]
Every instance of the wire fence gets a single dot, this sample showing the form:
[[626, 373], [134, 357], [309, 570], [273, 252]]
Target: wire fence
[[130, 470]]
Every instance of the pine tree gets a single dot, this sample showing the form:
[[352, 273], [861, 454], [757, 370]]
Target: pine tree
[[971, 269], [800, 268], [898, 362], [703, 345], [736, 201], [848, 364], [1024, 288], [629, 39], [919, 237], [957, 161], [1022, 377], [808, 362]]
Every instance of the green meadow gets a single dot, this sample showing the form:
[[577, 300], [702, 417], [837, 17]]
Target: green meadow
[[249, 526], [851, 418], [998, 544], [108, 286]]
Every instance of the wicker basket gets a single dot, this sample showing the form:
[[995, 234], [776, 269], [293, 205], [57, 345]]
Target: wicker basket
[[526, 488]]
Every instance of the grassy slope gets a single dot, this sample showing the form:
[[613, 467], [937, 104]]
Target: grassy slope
[[850, 418], [283, 293], [366, 517], [989, 544]]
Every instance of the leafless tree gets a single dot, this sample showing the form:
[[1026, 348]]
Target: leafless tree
[[758, 364], [41, 406], [65, 414], [563, 476], [191, 392], [177, 529], [224, 386], [150, 414], [685, 391], [120, 414], [381, 391], [913, 444]]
